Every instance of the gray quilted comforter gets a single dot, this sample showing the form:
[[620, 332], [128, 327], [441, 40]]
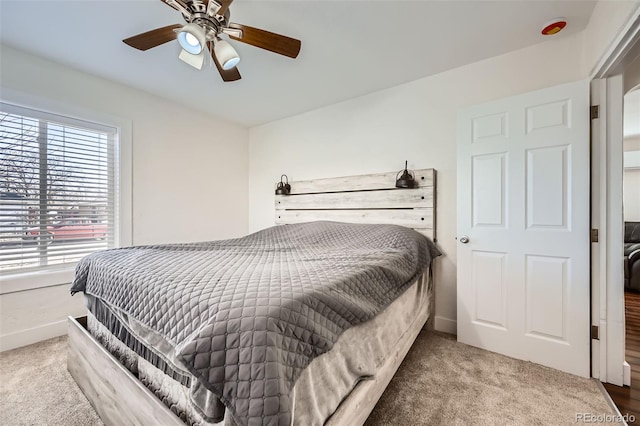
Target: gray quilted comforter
[[246, 316]]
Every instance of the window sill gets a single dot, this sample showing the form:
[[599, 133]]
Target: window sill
[[24, 281]]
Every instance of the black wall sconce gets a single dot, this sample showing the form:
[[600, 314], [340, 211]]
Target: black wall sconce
[[407, 180], [283, 188]]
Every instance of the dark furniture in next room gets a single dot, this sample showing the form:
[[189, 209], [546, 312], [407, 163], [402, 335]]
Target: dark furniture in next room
[[632, 256]]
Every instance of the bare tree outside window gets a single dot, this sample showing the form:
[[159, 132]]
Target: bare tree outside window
[[20, 162], [56, 191]]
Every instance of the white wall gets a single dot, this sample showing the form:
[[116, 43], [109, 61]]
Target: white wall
[[415, 121], [631, 195], [631, 75], [631, 183], [182, 160]]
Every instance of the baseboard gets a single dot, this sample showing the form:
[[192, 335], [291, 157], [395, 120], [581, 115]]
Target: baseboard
[[32, 335], [445, 325], [626, 374]]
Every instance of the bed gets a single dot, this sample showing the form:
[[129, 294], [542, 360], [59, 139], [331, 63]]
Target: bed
[[217, 366]]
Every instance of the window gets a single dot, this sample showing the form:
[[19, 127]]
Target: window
[[58, 189]]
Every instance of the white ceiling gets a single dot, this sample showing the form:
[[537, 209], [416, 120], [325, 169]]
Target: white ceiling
[[349, 48], [632, 114]]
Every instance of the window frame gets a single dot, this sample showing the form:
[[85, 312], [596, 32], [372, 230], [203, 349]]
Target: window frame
[[15, 281]]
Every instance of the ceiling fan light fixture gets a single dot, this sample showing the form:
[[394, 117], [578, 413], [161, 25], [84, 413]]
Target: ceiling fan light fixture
[[198, 37], [192, 38], [226, 54], [195, 61]]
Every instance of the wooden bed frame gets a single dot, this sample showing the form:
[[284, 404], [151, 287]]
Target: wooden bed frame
[[120, 398], [363, 199]]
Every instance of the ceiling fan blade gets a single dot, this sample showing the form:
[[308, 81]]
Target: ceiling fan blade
[[178, 5], [227, 75], [273, 42], [224, 6], [153, 38]]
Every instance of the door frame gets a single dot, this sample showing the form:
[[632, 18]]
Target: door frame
[[607, 288]]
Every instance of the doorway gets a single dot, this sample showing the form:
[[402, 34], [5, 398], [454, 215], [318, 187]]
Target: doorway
[[615, 194], [628, 398]]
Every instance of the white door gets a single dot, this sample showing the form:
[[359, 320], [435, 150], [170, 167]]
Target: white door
[[523, 227]]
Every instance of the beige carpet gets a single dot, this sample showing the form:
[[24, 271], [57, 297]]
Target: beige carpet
[[442, 382], [36, 389]]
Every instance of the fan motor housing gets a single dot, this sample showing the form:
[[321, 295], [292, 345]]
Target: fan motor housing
[[207, 22]]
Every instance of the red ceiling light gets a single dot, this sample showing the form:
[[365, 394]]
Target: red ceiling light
[[554, 27]]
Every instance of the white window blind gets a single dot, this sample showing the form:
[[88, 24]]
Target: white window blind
[[58, 188]]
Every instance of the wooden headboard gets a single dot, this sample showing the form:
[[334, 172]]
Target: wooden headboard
[[362, 199]]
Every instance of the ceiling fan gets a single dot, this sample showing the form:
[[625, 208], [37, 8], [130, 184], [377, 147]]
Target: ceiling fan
[[206, 21]]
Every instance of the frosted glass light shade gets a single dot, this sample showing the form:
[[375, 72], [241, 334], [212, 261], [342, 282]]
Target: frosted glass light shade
[[226, 54], [192, 38], [195, 61]]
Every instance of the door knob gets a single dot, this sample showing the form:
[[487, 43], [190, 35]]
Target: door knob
[[464, 239]]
